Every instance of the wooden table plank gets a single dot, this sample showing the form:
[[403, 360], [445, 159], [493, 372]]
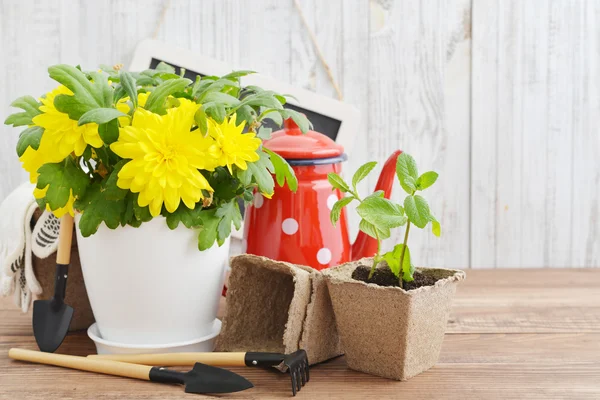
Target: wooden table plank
[[535, 338]]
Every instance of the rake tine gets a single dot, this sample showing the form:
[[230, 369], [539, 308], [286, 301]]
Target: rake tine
[[298, 380], [302, 374], [293, 383]]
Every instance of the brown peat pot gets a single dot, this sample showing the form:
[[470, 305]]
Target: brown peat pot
[[387, 331]]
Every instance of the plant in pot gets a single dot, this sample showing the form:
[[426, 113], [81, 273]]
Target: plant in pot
[[391, 317], [152, 165]]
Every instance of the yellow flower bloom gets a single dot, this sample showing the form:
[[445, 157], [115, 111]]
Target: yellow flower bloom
[[61, 132], [59, 212], [33, 159], [165, 158], [235, 147], [124, 107]]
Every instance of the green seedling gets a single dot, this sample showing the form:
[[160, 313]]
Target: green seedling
[[379, 216]]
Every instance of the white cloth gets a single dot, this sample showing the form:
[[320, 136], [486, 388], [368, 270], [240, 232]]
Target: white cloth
[[17, 242]]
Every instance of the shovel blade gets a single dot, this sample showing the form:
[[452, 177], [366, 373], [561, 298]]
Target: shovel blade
[[51, 322], [207, 379]]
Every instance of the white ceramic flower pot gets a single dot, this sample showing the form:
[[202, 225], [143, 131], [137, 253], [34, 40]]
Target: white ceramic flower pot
[[151, 285]]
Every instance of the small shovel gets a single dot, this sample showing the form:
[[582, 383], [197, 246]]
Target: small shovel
[[51, 318], [201, 379], [295, 363]]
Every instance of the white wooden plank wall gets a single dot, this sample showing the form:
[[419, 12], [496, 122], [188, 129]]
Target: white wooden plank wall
[[501, 97]]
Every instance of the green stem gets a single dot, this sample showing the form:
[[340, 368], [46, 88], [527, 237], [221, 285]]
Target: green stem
[[376, 258], [403, 251]]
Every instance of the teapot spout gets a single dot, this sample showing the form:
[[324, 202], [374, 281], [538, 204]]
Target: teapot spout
[[365, 245]]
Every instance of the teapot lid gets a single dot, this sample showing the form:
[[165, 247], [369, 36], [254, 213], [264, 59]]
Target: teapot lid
[[290, 143]]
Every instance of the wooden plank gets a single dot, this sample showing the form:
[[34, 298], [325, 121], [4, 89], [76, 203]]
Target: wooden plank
[[529, 114], [419, 102], [585, 240], [484, 127], [30, 37], [556, 364]]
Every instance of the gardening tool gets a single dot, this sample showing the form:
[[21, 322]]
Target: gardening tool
[[298, 222], [51, 318], [201, 379], [295, 363]]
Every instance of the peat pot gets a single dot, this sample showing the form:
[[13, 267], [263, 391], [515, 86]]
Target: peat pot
[[387, 331], [151, 285]]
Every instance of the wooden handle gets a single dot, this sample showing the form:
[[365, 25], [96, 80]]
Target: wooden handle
[[64, 239], [171, 359], [82, 363]]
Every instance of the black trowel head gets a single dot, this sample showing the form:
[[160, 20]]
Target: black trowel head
[[207, 379], [51, 320]]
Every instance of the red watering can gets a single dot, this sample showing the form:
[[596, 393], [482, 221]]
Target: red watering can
[[295, 227]]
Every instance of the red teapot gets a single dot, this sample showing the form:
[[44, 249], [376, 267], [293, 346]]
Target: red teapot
[[295, 227]]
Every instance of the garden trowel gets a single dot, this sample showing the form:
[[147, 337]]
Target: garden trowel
[[51, 318], [201, 379]]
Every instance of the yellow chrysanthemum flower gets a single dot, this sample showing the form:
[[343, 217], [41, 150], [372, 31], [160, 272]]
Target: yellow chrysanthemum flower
[[235, 147], [62, 133], [32, 159], [165, 158], [59, 212], [124, 107]]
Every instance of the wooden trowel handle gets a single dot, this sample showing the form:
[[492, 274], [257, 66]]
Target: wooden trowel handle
[[65, 236], [171, 359], [83, 363]]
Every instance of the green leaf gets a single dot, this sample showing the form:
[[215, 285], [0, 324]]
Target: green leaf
[[337, 182], [393, 260], [336, 210], [406, 170], [142, 214], [201, 121], [96, 208], [436, 228], [30, 137], [262, 99], [109, 132], [426, 180], [216, 111], [164, 67], [86, 96], [221, 98], [189, 218], [229, 213], [264, 133], [300, 119], [30, 107], [273, 114], [61, 178], [225, 186], [362, 172], [260, 173], [208, 230], [111, 190], [373, 231], [238, 74], [417, 210], [129, 84], [283, 171], [100, 116], [381, 212], [156, 100], [245, 113]]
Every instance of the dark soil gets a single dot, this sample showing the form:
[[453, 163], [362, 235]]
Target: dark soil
[[383, 276]]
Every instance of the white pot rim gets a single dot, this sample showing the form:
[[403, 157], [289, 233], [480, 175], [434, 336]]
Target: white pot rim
[[93, 334]]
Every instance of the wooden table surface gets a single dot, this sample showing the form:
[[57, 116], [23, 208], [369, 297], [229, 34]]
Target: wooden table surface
[[522, 334]]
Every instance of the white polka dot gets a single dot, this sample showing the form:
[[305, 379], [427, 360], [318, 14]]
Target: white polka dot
[[331, 201], [324, 256], [290, 226], [258, 200]]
